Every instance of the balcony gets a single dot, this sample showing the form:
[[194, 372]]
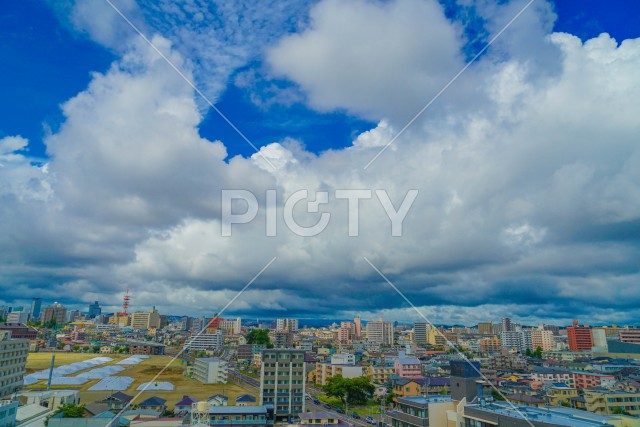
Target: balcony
[[411, 419]]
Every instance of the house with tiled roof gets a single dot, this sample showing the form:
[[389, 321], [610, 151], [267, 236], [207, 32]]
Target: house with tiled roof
[[183, 406], [245, 400], [154, 403]]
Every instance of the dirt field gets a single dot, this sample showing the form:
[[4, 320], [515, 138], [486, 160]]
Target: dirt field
[[141, 373]]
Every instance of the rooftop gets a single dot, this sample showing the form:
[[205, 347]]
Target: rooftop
[[565, 417]]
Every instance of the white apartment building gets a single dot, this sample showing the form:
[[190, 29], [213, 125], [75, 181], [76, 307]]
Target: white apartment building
[[379, 331], [206, 341], [210, 370], [18, 317], [13, 359], [290, 325]]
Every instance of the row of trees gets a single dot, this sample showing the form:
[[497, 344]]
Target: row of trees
[[355, 391]]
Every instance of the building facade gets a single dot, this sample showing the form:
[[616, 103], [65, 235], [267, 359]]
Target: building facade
[[282, 382], [210, 370], [13, 359]]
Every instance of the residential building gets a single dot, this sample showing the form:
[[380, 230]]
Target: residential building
[[600, 343], [117, 400], [206, 341], [602, 401], [579, 337], [408, 367], [560, 392], [421, 411], [72, 315], [13, 359], [583, 380], [282, 382], [231, 326], [245, 400], [146, 348], [290, 325], [282, 339], [211, 370], [57, 313], [485, 328], [511, 340], [490, 344], [542, 338], [380, 374], [324, 371], [36, 307], [420, 333], [94, 310], [153, 403], [631, 336], [552, 375], [144, 320], [245, 352], [358, 325], [321, 418], [235, 416], [408, 387], [347, 332], [380, 332], [507, 326]]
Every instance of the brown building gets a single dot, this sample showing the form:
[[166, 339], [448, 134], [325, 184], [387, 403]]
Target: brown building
[[19, 330], [146, 348]]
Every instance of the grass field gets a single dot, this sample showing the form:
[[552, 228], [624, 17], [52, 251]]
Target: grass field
[[141, 373]]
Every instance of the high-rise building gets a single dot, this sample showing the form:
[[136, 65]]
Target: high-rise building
[[579, 337], [13, 359], [379, 331], [421, 333], [282, 382], [231, 326], [347, 332], [511, 340], [507, 326], [72, 315], [94, 310], [145, 319], [282, 339], [36, 306], [57, 313], [206, 341], [485, 328], [542, 338], [358, 322], [18, 317], [290, 325]]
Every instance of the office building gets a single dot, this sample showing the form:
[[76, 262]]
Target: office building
[[36, 307], [290, 325], [94, 310], [211, 370], [282, 382], [579, 337], [13, 359]]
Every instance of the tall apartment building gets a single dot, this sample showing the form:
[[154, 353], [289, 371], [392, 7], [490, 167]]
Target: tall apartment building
[[347, 332], [358, 324], [36, 306], [290, 325], [630, 335], [211, 370], [282, 382], [13, 359], [145, 319], [490, 344], [579, 337], [379, 331], [542, 338], [421, 333], [282, 339], [206, 341], [231, 326], [485, 328], [507, 325], [56, 312], [511, 340]]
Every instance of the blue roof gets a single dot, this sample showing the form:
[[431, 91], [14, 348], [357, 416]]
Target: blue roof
[[245, 398], [187, 401], [105, 414], [153, 401]]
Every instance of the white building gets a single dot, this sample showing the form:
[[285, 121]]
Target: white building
[[290, 325], [211, 370], [13, 359], [343, 359], [206, 341], [18, 317], [379, 331]]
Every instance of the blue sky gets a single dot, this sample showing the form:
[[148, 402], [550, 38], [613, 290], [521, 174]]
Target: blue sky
[[129, 191]]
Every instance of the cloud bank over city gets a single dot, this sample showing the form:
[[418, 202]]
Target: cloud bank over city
[[527, 166]]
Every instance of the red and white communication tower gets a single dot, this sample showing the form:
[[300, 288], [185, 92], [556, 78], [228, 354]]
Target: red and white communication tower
[[125, 302]]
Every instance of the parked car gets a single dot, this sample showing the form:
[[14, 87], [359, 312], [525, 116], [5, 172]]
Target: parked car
[[326, 405], [355, 415], [370, 420], [316, 401], [340, 411], [307, 398]]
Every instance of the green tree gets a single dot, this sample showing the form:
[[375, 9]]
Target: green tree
[[619, 410], [528, 353], [51, 324], [354, 390], [75, 347], [538, 353], [496, 395], [71, 410], [96, 348], [259, 336]]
